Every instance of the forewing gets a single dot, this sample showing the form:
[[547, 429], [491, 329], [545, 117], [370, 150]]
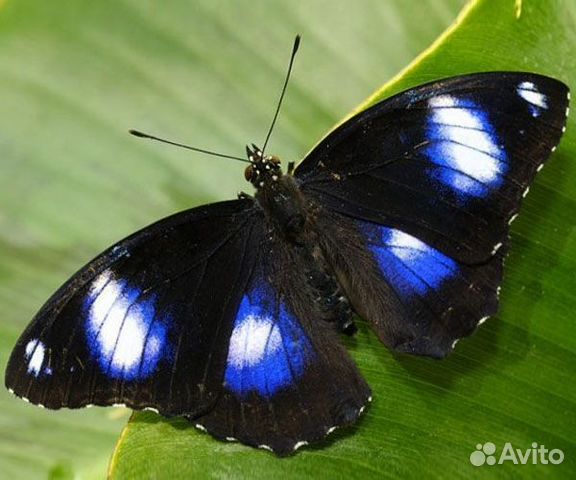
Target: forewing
[[447, 162], [146, 323]]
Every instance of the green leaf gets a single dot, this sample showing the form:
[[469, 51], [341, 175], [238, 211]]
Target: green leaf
[[75, 76]]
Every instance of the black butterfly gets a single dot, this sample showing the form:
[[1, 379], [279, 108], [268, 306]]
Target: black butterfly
[[229, 313]]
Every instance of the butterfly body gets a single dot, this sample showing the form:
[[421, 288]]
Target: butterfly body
[[229, 314], [292, 218], [285, 208]]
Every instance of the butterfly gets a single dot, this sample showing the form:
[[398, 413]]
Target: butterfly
[[229, 314]]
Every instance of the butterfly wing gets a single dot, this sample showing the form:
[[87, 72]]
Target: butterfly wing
[[419, 192], [417, 299], [201, 315], [447, 162], [147, 322], [288, 382]]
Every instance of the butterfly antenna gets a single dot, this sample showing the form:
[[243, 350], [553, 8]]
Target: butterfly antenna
[[294, 50], [137, 133]]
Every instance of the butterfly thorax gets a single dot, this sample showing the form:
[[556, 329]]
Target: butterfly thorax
[[277, 194]]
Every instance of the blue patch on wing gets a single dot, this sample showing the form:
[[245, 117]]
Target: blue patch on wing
[[269, 350], [123, 331], [464, 147], [410, 266]]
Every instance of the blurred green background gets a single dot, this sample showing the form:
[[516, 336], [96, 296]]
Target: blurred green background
[[76, 75]]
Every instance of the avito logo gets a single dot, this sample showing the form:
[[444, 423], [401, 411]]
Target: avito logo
[[486, 454]]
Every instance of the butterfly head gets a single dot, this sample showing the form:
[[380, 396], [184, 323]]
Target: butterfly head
[[263, 169]]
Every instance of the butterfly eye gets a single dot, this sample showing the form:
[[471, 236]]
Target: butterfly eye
[[249, 173]]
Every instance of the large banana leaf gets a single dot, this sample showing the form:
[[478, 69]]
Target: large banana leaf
[[75, 75]]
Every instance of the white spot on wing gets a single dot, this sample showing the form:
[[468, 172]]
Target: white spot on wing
[[300, 444], [119, 326], [474, 138], [35, 351], [448, 113], [496, 247], [100, 282], [406, 247], [106, 292], [473, 163], [200, 427], [253, 339], [482, 320], [466, 143], [529, 92]]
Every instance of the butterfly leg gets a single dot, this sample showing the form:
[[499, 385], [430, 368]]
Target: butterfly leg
[[340, 311], [333, 304]]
